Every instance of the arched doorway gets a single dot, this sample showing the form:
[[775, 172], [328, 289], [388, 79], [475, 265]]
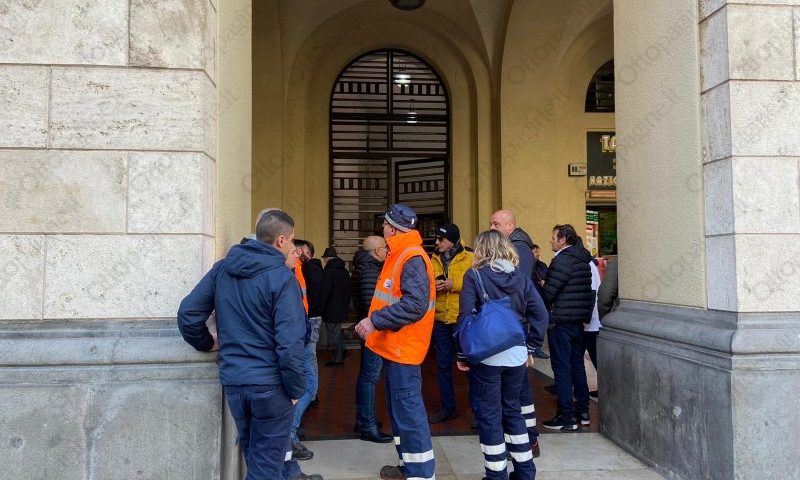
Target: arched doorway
[[389, 142]]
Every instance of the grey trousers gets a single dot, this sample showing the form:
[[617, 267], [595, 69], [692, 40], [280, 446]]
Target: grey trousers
[[334, 332]]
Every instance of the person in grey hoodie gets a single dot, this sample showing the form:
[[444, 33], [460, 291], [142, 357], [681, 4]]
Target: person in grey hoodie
[[505, 222]]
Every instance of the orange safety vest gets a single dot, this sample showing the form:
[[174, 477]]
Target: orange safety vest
[[408, 345], [298, 273]]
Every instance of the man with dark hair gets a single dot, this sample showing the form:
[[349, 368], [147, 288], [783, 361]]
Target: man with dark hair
[[569, 296], [261, 327], [398, 328], [312, 271], [539, 276], [299, 451]]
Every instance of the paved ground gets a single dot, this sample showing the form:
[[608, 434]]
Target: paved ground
[[565, 456]]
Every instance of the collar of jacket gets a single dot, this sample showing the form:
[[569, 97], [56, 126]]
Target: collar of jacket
[[400, 242], [451, 254]]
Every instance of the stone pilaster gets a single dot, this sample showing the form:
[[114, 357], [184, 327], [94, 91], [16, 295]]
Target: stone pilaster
[[711, 392], [108, 159]]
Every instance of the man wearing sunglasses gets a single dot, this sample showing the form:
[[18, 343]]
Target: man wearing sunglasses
[[450, 262]]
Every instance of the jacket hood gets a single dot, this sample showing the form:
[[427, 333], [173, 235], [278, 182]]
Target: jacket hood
[[578, 252], [335, 262], [509, 283], [253, 258], [519, 235]]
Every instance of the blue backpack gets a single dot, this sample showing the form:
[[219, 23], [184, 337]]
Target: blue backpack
[[490, 329]]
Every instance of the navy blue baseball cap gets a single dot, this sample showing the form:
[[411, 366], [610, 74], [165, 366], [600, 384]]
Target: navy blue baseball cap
[[401, 217]]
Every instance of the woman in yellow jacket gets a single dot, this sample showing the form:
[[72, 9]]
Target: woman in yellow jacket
[[450, 262]]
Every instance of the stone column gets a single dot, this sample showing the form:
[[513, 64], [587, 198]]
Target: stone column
[[751, 147], [710, 390], [107, 154]]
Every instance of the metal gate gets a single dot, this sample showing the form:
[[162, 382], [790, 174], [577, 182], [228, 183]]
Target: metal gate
[[390, 142]]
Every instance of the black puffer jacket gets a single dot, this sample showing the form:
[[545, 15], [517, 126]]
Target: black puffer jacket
[[568, 289], [336, 291], [523, 244], [366, 269]]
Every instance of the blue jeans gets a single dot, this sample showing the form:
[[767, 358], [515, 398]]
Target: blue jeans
[[566, 358], [501, 426], [412, 436], [445, 349], [312, 383], [263, 416], [368, 375]]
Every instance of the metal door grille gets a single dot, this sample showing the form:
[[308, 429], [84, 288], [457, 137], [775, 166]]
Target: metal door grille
[[389, 138]]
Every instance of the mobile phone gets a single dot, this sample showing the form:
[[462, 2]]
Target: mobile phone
[[441, 277]]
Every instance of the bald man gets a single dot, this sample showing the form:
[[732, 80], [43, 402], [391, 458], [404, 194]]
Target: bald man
[[505, 222], [367, 264]]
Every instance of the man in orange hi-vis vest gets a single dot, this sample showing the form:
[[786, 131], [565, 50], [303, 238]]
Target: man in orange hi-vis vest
[[398, 328]]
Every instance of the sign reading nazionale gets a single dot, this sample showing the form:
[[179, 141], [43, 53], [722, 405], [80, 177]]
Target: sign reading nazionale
[[601, 161]]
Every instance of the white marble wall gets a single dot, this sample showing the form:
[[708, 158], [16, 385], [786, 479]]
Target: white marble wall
[[107, 156], [751, 153]]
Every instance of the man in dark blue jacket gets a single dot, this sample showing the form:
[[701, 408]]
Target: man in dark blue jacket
[[260, 331], [505, 222], [568, 294]]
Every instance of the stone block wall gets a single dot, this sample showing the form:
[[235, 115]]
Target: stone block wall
[[107, 180]]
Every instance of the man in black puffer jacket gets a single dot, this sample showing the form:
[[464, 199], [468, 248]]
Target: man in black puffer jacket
[[367, 265], [569, 296]]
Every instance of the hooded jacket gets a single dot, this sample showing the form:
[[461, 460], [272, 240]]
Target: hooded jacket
[[568, 287], [525, 301], [524, 245], [260, 318], [366, 269]]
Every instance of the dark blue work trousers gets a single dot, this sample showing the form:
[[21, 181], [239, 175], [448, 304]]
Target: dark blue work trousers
[[501, 426], [263, 416], [412, 437]]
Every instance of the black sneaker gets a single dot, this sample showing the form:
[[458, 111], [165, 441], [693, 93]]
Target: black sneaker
[[392, 472], [300, 452], [583, 419], [562, 423], [551, 389]]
